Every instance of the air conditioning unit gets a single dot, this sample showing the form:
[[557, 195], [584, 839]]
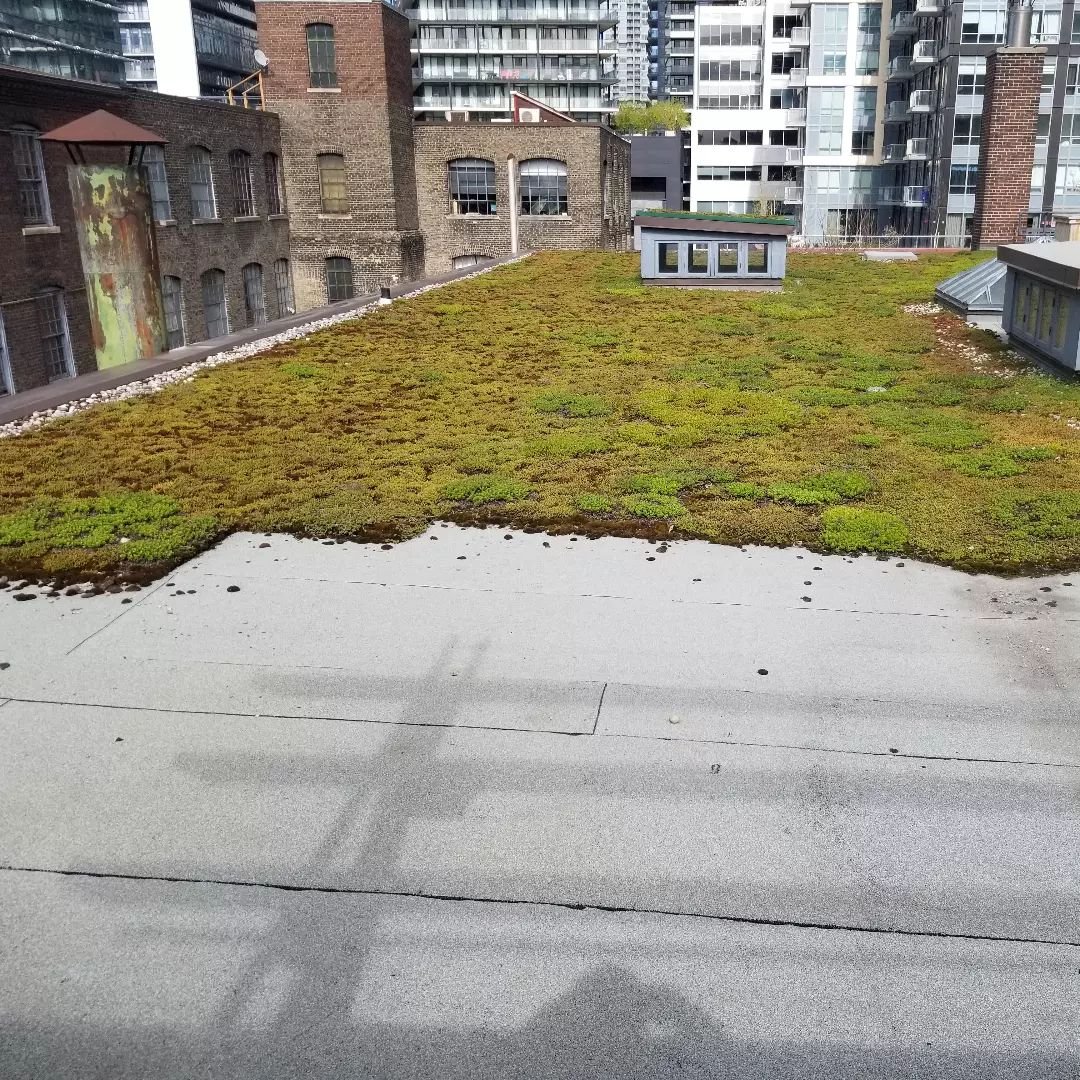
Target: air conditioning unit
[[529, 116], [456, 116]]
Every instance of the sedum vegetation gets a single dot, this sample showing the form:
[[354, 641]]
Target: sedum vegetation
[[561, 392]]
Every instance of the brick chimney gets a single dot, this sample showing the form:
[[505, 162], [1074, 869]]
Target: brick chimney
[[1007, 147]]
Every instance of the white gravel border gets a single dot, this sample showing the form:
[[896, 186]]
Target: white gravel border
[[153, 383]]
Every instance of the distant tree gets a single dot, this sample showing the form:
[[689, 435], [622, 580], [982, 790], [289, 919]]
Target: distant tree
[[631, 118], [666, 116]]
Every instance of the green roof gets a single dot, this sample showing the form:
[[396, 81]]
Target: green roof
[[695, 215]]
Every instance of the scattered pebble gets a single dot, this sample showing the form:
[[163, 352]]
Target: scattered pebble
[[118, 739], [650, 558], [546, 544], [508, 536], [386, 547], [1045, 588], [697, 579], [126, 600], [808, 583], [25, 596], [233, 588], [4, 665], [806, 599], [893, 750], [263, 545], [460, 558], [763, 671]]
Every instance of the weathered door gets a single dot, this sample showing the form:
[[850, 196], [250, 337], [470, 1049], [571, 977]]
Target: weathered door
[[119, 259]]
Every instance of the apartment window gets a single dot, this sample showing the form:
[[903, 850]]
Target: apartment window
[[782, 25], [55, 336], [967, 130], [829, 133], [782, 63], [983, 22], [543, 187], [1042, 129], [697, 259], [157, 181], [729, 172], [962, 179], [868, 41], [731, 33], [215, 308], [862, 142], [787, 98], [727, 137], [472, 186], [322, 64], [971, 75], [1045, 26], [729, 70], [243, 189], [335, 198], [730, 101], [727, 258], [254, 294], [864, 110], [757, 258], [833, 28], [275, 194], [7, 386], [201, 172], [30, 177], [1075, 38], [788, 174], [172, 299], [339, 280], [1049, 73], [283, 288], [1038, 177], [667, 258], [1070, 129], [784, 137]]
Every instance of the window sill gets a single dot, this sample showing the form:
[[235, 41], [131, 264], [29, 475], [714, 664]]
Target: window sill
[[207, 221], [546, 217], [41, 230], [163, 222], [472, 217], [324, 89], [247, 217], [334, 217], [277, 217]]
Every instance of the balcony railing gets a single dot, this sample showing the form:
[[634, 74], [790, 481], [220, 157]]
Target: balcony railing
[[497, 12], [922, 101], [793, 155], [889, 195], [793, 195], [925, 52], [929, 7], [917, 150], [896, 111], [794, 117], [895, 152], [900, 67], [903, 22], [797, 76], [800, 36], [915, 196]]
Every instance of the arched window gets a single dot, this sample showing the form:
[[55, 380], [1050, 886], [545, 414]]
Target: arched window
[[157, 180], [543, 186], [339, 280], [243, 188], [55, 335], [275, 194], [215, 308], [322, 63], [172, 299], [254, 294], [472, 186], [286, 303], [203, 202], [30, 176], [335, 197]]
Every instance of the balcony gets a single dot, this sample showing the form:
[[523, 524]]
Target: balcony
[[793, 195], [900, 68], [895, 152], [924, 53], [796, 76], [903, 23], [794, 117], [800, 36], [915, 196], [917, 150], [889, 195], [929, 7], [922, 101], [897, 111], [793, 155]]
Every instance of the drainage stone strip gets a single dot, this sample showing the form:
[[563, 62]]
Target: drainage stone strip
[[150, 385]]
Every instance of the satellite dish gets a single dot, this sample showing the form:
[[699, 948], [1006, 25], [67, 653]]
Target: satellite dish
[[262, 59]]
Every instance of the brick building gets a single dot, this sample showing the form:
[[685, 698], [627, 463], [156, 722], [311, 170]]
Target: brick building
[[238, 236], [375, 199]]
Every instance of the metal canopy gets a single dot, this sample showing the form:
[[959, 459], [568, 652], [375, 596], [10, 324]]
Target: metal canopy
[[101, 128], [978, 291]]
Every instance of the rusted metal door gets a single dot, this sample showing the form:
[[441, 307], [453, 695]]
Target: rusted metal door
[[119, 259]]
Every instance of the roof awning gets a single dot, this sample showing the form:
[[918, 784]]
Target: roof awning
[[101, 128]]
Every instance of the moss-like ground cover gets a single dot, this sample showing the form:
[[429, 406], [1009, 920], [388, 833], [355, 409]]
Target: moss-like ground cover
[[562, 392]]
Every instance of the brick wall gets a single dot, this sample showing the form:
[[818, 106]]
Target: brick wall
[[1007, 147], [37, 261], [367, 118], [594, 157]]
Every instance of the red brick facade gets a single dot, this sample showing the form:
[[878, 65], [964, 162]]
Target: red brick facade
[[1007, 149]]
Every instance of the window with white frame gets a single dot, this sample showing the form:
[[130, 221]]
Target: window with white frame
[[1046, 24], [543, 187], [6, 384], [967, 129], [322, 62], [243, 189], [868, 41], [283, 288], [831, 31], [472, 186], [254, 294], [55, 335], [971, 75], [201, 175], [157, 181], [963, 179], [275, 193], [172, 300], [30, 176], [215, 306], [339, 279], [983, 22]]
